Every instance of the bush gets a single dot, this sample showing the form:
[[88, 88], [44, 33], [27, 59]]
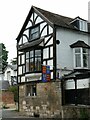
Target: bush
[[14, 89]]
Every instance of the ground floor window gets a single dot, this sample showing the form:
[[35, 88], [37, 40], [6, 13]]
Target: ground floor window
[[79, 97], [76, 92], [31, 90]]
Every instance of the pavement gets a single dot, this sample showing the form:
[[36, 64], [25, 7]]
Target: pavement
[[11, 113]]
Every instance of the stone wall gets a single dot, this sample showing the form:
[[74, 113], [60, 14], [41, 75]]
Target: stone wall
[[72, 111], [47, 103]]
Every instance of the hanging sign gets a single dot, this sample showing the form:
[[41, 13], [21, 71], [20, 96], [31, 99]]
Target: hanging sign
[[46, 74]]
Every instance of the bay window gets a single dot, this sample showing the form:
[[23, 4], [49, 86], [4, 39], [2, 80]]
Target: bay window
[[38, 60], [80, 57], [33, 61]]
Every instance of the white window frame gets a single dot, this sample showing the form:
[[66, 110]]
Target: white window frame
[[81, 53], [30, 90], [83, 25]]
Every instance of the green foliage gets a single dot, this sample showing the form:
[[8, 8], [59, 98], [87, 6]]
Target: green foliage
[[83, 113], [14, 89], [14, 61], [3, 56]]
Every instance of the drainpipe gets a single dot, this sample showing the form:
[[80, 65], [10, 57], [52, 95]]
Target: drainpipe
[[75, 80], [62, 114]]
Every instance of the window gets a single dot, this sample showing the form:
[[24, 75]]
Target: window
[[80, 57], [38, 60], [34, 33], [31, 90], [83, 25], [33, 61]]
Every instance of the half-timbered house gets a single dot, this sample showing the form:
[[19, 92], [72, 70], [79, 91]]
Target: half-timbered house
[[52, 48]]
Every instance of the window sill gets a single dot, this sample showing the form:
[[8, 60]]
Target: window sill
[[31, 96]]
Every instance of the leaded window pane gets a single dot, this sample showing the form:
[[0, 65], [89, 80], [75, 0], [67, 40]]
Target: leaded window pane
[[37, 63], [32, 64], [34, 33], [85, 50], [27, 65], [27, 55], [77, 50], [31, 54], [78, 60], [31, 90], [33, 61], [23, 59], [81, 57]]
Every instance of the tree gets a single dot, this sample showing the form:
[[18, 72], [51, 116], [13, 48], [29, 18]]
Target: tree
[[14, 61], [3, 57], [14, 89]]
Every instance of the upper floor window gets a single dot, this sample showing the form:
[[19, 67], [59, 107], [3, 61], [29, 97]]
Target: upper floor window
[[83, 25], [80, 23], [34, 33], [80, 57], [33, 61]]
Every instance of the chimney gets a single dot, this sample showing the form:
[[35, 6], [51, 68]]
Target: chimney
[[89, 11]]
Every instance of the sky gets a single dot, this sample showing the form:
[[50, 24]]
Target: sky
[[14, 12]]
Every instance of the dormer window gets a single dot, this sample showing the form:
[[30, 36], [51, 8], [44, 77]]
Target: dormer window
[[80, 24], [83, 25]]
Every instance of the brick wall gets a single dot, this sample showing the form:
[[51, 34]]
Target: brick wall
[[7, 97]]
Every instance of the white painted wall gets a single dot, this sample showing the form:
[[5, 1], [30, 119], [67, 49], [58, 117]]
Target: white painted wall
[[1, 76], [64, 52], [12, 73]]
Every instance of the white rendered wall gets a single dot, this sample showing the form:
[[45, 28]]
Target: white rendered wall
[[64, 51], [65, 54], [12, 73]]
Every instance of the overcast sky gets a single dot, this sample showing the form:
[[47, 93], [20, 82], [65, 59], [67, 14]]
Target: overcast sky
[[14, 12]]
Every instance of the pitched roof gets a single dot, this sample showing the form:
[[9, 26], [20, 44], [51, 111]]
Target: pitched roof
[[13, 67], [52, 18], [56, 19], [4, 85], [80, 44], [31, 45], [78, 74]]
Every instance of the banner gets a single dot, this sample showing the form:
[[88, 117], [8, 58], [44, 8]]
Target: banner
[[46, 74]]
